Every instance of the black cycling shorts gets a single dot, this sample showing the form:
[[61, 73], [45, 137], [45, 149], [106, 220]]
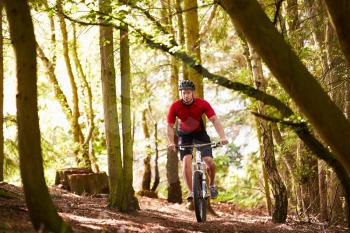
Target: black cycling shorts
[[198, 138]]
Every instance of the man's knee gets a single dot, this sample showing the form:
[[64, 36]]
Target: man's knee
[[210, 163]]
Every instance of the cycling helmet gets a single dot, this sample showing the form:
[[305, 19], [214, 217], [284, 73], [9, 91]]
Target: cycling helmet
[[186, 85]]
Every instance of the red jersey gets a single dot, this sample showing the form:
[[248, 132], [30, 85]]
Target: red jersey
[[190, 116]]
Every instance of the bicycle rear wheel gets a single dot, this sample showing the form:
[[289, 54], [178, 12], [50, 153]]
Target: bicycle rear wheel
[[199, 201]]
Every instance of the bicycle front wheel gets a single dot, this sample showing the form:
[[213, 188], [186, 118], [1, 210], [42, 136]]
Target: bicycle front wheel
[[199, 201]]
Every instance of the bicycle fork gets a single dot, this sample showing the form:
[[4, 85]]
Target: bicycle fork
[[200, 166]]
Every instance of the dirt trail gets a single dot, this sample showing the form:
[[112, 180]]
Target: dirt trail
[[90, 214]]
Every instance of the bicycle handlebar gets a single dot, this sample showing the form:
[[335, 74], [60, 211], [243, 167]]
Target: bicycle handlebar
[[212, 144]]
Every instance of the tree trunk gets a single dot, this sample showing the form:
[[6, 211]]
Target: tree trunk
[[209, 21], [90, 111], [41, 209], [181, 33], [339, 13], [323, 190], [265, 177], [2, 157], [193, 43], [309, 181], [60, 96], [53, 34], [156, 168], [85, 161], [147, 173], [130, 202], [333, 127], [335, 202], [280, 208], [316, 14], [115, 169], [172, 163], [290, 163]]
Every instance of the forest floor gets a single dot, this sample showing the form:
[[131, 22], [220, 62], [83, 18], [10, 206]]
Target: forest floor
[[91, 214]]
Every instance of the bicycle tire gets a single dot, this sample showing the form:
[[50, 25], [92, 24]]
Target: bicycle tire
[[200, 202]]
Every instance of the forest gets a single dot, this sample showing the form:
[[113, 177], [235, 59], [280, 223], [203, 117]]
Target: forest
[[86, 86]]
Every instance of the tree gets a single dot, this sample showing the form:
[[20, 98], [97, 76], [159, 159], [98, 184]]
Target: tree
[[121, 194], [41, 209], [172, 163], [115, 168], [193, 43], [147, 173], [280, 207], [339, 13], [181, 34], [77, 137], [1, 97], [130, 202], [84, 144], [323, 114]]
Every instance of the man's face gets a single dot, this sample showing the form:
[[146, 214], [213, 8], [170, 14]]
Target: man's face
[[187, 96]]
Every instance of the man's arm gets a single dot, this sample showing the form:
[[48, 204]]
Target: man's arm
[[219, 129], [170, 135]]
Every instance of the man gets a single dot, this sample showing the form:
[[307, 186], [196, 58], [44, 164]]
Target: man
[[189, 110]]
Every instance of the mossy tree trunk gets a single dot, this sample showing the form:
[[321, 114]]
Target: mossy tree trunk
[[77, 137], [172, 163], [193, 43], [41, 209], [290, 163], [53, 34], [339, 13], [280, 207], [181, 34], [265, 177], [147, 172], [84, 143], [156, 157], [2, 157], [323, 190], [130, 202], [115, 169], [308, 179]]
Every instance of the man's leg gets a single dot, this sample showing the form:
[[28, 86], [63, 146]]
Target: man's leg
[[210, 169], [187, 171]]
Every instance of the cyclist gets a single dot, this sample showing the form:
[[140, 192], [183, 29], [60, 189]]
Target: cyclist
[[190, 129]]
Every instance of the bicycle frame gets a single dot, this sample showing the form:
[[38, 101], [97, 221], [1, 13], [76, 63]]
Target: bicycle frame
[[199, 185], [200, 166]]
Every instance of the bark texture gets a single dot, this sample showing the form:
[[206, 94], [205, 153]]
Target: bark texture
[[115, 169], [339, 13], [172, 164], [156, 157], [280, 207], [83, 159], [42, 212], [130, 202], [147, 173], [181, 35], [2, 157], [193, 43], [84, 142]]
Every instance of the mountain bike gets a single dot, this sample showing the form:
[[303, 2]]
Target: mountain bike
[[199, 185]]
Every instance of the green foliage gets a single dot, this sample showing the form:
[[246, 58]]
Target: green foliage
[[241, 184]]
